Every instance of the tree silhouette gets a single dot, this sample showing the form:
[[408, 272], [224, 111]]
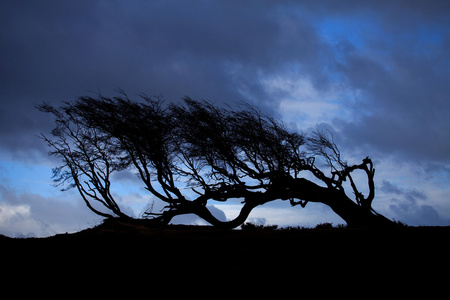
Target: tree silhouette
[[215, 153]]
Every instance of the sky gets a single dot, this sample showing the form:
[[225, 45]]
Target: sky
[[376, 72]]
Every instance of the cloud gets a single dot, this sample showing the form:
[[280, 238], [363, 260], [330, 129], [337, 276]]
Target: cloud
[[417, 215], [27, 214], [257, 221], [304, 104], [403, 87], [232, 51], [408, 206], [378, 72], [412, 195], [57, 51]]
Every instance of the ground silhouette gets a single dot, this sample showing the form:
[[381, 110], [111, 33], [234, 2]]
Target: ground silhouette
[[189, 259]]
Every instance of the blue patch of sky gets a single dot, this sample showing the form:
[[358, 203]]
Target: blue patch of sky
[[27, 177], [343, 36], [355, 31], [429, 40], [364, 35]]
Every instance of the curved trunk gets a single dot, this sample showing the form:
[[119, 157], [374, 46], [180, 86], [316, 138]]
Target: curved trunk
[[355, 215], [206, 215], [352, 213]]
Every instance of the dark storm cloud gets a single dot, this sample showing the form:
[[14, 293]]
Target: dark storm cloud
[[136, 44], [408, 108], [53, 51], [394, 53], [392, 56], [402, 71]]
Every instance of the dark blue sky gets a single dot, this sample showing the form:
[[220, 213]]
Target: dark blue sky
[[377, 72]]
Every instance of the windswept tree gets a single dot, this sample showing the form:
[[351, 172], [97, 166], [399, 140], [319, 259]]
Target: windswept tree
[[211, 152]]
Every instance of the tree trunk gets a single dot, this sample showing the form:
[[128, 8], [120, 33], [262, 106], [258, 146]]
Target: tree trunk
[[239, 220], [352, 213], [355, 215]]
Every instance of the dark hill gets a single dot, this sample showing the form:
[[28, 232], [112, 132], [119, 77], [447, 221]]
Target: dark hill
[[115, 254]]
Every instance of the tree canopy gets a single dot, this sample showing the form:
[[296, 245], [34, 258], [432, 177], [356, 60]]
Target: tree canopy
[[216, 153]]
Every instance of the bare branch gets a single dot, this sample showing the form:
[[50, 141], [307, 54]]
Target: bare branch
[[217, 153]]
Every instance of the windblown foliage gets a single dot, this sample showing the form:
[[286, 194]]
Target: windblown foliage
[[217, 153]]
